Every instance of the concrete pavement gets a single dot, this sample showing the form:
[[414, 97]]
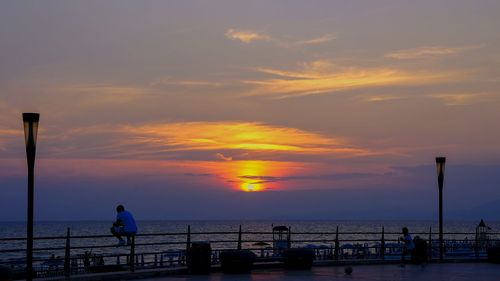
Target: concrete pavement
[[431, 272]]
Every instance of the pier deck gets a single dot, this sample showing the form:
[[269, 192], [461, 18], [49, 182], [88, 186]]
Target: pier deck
[[431, 272]]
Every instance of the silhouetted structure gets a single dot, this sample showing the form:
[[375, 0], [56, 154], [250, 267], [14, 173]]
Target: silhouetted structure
[[482, 236], [440, 163], [281, 237], [30, 121]]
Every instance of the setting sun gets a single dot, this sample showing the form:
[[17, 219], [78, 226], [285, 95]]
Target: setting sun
[[253, 175], [250, 173], [250, 187]]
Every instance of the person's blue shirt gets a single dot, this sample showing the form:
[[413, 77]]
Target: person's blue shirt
[[409, 242], [127, 220]]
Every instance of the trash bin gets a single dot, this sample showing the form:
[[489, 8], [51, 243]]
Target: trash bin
[[493, 254], [419, 253], [199, 258], [5, 273], [298, 258], [237, 261]]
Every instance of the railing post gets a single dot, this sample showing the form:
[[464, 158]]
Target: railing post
[[476, 245], [67, 256], [430, 244], [132, 254], [289, 238], [239, 238], [382, 245], [337, 244], [188, 244]]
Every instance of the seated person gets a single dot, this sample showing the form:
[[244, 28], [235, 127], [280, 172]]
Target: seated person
[[408, 245], [123, 226]]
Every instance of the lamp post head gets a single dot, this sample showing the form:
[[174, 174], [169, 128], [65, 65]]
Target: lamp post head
[[30, 121], [440, 163]]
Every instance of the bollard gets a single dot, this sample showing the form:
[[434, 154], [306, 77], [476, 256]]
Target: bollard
[[132, 255], [337, 245], [382, 245], [289, 238], [188, 244], [67, 256], [430, 244], [239, 238], [476, 245]]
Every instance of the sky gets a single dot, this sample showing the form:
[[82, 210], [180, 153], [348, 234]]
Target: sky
[[251, 109]]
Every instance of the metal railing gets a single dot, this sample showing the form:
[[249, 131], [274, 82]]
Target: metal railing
[[76, 254]]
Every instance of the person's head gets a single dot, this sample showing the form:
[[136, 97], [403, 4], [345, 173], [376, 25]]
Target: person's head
[[405, 230], [120, 208]]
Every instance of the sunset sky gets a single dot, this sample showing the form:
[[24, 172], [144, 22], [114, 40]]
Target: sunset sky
[[251, 109]]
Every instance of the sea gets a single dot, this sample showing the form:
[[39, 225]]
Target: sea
[[370, 231]]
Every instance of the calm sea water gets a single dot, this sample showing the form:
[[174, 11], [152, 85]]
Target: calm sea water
[[17, 229]]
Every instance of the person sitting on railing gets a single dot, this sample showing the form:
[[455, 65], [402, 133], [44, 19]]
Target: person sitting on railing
[[408, 245], [123, 226]]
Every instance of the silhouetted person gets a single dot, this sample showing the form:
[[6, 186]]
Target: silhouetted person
[[123, 226], [408, 244]]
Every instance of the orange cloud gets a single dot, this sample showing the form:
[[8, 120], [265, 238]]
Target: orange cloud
[[383, 98], [7, 136], [319, 77], [246, 36], [11, 132], [460, 98], [428, 52], [319, 40], [235, 136], [198, 140], [223, 157], [188, 83]]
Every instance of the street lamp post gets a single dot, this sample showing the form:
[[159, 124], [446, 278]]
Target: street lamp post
[[440, 163], [30, 121]]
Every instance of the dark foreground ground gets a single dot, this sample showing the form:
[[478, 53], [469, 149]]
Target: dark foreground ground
[[432, 272]]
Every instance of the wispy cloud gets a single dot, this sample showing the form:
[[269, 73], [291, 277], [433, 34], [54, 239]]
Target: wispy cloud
[[382, 98], [187, 83], [338, 176], [7, 136], [223, 157], [319, 77], [249, 36], [198, 140], [236, 136], [428, 52], [319, 40], [10, 132], [456, 99], [101, 93], [246, 36]]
